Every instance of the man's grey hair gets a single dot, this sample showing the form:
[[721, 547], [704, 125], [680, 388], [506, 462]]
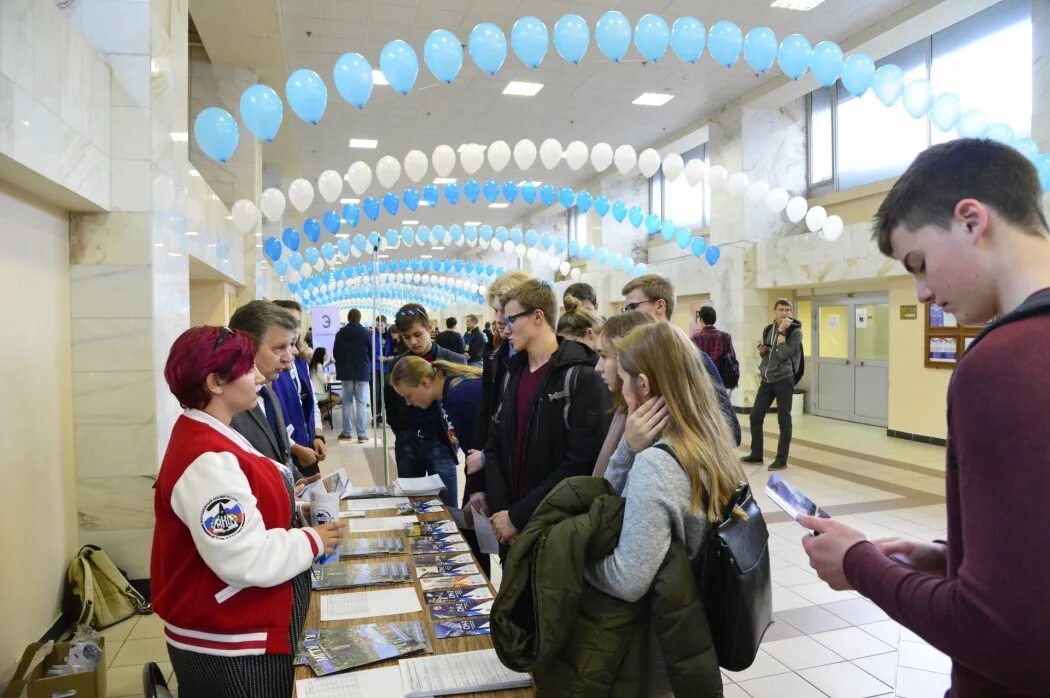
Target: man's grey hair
[[257, 317]]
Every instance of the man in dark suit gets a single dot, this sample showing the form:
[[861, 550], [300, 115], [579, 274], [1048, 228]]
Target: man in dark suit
[[451, 339], [274, 329], [352, 352]]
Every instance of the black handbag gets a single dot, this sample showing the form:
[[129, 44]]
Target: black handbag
[[732, 571]]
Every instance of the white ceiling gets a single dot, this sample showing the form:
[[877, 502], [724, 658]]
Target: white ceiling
[[589, 102]]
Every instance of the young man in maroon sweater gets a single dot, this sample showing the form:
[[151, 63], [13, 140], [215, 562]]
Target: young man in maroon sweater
[[966, 220]]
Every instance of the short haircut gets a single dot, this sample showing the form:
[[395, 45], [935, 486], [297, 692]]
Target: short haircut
[[941, 176], [289, 305], [410, 314], [256, 317], [655, 287], [381, 318], [450, 322], [473, 318], [782, 301], [354, 315], [708, 315], [582, 292], [504, 283], [201, 351], [533, 295]]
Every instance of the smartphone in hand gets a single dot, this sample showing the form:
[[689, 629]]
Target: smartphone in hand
[[791, 499]]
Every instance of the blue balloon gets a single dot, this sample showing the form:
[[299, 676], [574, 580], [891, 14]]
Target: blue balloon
[[455, 232], [280, 266], [651, 37], [760, 49], [945, 111], [1000, 132], [725, 42], [559, 245], [331, 222], [566, 196], [352, 75], [635, 215], [613, 35], [1043, 166], [290, 237], [438, 231], [272, 248], [400, 65], [471, 190], [411, 199], [516, 236], [408, 236], [328, 250], [307, 95], [614, 259], [262, 111], [587, 252], [698, 246], [687, 39], [619, 211], [391, 203], [293, 287], [1029, 148], [373, 240], [627, 265], [683, 238], [490, 190], [510, 191], [344, 247], [712, 254], [295, 260], [452, 193], [352, 214], [311, 256], [794, 55], [488, 47], [360, 243], [545, 240], [528, 192], [857, 73], [485, 233], [431, 194], [531, 237], [443, 54], [601, 205], [826, 63], [574, 248], [391, 238], [584, 201], [547, 195], [529, 39], [888, 84], [652, 223], [667, 230], [972, 124], [501, 234], [216, 133], [571, 37], [371, 207], [312, 229], [602, 255]]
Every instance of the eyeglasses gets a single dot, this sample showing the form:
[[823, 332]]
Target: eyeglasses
[[509, 319], [223, 334], [634, 306]]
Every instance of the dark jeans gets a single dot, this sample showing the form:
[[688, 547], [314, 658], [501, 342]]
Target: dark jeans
[[418, 457], [782, 392]]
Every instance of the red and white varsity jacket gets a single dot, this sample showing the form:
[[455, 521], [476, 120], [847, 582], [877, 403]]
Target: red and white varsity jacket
[[223, 554]]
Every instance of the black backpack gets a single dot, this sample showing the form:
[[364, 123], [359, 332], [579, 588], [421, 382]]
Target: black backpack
[[728, 366]]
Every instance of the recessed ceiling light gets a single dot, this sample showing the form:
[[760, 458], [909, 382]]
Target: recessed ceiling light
[[194, 173], [180, 136], [409, 222], [472, 223], [342, 235], [378, 78], [523, 182], [349, 201], [501, 204], [158, 244], [522, 89], [174, 254], [424, 203], [463, 147], [438, 247], [364, 143], [258, 235], [801, 5], [384, 256], [191, 232], [653, 99], [425, 256], [445, 180]]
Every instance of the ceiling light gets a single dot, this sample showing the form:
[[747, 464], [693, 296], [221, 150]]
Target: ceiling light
[[158, 244], [522, 89], [194, 173], [472, 223], [438, 247], [409, 222], [463, 147], [425, 256], [802, 5], [191, 232], [154, 67], [424, 203], [501, 204], [364, 143], [174, 254], [378, 78], [258, 235], [523, 182], [653, 99], [180, 136], [342, 235], [384, 256], [349, 201], [445, 180]]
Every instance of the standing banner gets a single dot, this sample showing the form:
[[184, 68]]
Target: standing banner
[[325, 324]]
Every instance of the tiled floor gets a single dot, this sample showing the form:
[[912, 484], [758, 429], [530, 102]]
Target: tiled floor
[[129, 645]]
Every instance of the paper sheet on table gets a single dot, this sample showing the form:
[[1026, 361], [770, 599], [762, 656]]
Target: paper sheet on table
[[462, 672], [384, 682], [487, 541], [384, 523], [374, 504], [431, 484], [366, 604]]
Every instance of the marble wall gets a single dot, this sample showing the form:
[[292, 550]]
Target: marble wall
[[1041, 75]]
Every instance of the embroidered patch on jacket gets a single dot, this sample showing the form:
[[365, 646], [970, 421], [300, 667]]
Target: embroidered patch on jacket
[[222, 517]]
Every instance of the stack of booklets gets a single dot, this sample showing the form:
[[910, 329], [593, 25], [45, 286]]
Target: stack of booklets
[[438, 544], [417, 529], [357, 575], [431, 506], [462, 672], [428, 486], [446, 596], [361, 547], [331, 650], [367, 492]]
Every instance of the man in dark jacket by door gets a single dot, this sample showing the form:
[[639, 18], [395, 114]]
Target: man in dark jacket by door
[[352, 352], [552, 390], [475, 342]]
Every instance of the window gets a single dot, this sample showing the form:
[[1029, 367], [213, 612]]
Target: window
[[686, 205], [821, 135], [577, 228]]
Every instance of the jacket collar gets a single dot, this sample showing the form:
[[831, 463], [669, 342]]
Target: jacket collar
[[568, 353]]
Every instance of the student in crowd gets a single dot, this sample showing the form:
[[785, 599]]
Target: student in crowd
[[383, 345], [654, 294], [475, 341], [326, 399], [352, 351], [781, 352], [273, 329], [584, 295], [229, 568], [295, 392], [489, 339], [450, 338], [661, 372], [966, 220], [420, 439], [552, 417], [714, 342], [614, 329], [578, 323]]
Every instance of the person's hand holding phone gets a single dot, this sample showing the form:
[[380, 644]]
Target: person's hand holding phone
[[827, 551], [923, 556]]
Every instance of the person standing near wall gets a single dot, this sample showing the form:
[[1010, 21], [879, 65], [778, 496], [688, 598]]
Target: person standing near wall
[[475, 342], [718, 345], [352, 352]]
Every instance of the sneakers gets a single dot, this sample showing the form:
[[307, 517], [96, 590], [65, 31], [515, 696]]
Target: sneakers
[[751, 459], [777, 464], [345, 437], [362, 439]]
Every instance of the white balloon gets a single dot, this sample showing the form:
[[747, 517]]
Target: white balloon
[[330, 185], [531, 254], [576, 155], [694, 171], [163, 192], [443, 159], [796, 209], [272, 204], [499, 155], [245, 215], [757, 192], [550, 153], [649, 162], [564, 268], [673, 167], [553, 263], [355, 252], [301, 194], [524, 153], [520, 250], [306, 270], [360, 177], [416, 165], [737, 184], [388, 171], [815, 218], [319, 266], [601, 157], [293, 276], [625, 158], [717, 177], [777, 199], [832, 229], [472, 157]]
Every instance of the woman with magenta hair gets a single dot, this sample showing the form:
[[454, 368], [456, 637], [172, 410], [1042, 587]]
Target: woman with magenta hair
[[229, 569]]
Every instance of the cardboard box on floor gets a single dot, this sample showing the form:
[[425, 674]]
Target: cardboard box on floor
[[88, 684]]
